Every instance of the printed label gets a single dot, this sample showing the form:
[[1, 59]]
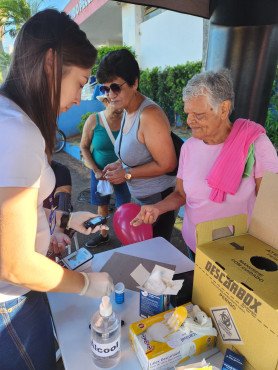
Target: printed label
[[225, 325], [105, 349]]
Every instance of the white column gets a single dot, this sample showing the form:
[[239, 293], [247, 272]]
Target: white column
[[131, 19]]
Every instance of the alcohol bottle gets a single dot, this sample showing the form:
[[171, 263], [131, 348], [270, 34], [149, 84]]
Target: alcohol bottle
[[106, 335]]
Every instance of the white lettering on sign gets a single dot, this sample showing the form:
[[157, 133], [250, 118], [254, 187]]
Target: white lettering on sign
[[105, 349], [79, 7]]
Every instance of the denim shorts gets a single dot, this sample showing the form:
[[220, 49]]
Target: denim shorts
[[122, 193], [26, 334]]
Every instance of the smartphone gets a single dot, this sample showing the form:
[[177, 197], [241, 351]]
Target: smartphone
[[101, 220]]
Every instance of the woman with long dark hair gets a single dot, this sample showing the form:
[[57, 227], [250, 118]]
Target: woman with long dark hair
[[52, 61]]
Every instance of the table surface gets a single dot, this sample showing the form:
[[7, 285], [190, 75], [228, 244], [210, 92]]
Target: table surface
[[72, 313]]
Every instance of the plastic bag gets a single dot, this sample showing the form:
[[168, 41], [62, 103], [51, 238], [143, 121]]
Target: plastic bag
[[104, 188]]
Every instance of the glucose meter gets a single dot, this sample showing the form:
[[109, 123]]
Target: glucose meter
[[78, 260]]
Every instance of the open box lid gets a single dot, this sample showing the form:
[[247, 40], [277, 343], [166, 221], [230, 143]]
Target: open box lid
[[264, 221]]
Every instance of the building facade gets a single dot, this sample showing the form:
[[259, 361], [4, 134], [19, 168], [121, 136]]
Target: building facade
[[159, 37]]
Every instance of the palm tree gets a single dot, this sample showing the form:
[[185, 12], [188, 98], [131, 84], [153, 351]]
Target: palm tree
[[13, 14]]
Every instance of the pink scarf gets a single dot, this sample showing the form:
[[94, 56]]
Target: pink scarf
[[226, 172]]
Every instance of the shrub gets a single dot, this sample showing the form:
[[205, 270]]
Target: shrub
[[165, 87], [271, 123], [83, 120]]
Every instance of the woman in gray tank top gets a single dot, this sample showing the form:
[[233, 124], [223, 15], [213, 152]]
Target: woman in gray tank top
[[144, 146]]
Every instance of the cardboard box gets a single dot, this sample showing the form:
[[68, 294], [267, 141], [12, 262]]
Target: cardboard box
[[152, 304], [232, 361], [156, 355], [236, 280]]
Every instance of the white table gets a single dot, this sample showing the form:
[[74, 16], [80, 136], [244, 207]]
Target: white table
[[72, 313]]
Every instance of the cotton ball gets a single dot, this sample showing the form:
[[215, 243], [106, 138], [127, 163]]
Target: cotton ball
[[154, 283]]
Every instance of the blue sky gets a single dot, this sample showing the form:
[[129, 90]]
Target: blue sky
[[58, 4]]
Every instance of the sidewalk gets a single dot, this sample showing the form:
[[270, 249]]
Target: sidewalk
[[81, 185]]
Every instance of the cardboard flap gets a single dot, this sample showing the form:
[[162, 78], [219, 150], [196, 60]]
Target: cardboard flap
[[264, 220], [204, 230]]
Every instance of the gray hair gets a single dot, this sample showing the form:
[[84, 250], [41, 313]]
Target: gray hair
[[216, 86]]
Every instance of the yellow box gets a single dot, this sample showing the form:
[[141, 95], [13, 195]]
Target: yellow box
[[156, 355], [236, 280]]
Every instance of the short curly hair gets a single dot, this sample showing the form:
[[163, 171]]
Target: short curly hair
[[118, 63], [216, 86]]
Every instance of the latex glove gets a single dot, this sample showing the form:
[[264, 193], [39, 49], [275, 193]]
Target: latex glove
[[100, 284], [77, 222], [58, 242]]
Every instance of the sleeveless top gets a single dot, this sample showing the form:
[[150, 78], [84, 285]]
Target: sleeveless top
[[103, 149], [133, 153]]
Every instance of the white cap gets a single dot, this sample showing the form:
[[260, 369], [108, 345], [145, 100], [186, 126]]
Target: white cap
[[119, 288], [105, 308]]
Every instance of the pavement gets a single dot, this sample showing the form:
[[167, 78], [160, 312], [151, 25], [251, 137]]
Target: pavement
[[80, 176]]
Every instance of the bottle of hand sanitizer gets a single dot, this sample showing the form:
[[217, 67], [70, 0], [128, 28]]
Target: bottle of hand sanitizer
[[106, 335]]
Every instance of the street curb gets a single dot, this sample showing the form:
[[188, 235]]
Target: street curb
[[73, 150]]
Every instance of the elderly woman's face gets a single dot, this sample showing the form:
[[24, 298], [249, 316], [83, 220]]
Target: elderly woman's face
[[202, 119]]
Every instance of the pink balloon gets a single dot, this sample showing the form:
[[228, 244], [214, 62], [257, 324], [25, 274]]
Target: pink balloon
[[126, 233]]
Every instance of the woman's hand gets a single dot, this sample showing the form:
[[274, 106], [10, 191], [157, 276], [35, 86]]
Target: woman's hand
[[58, 242], [77, 222], [112, 167], [115, 177], [99, 175], [100, 284], [147, 215]]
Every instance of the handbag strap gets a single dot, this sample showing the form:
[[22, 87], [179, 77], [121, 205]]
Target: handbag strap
[[108, 130]]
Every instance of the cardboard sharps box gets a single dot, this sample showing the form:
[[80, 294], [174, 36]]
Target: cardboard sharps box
[[236, 280]]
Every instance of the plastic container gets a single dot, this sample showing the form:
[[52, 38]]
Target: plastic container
[[119, 293], [106, 335]]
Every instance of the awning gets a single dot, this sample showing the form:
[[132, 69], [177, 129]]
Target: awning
[[199, 8]]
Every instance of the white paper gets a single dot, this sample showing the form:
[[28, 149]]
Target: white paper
[[158, 282]]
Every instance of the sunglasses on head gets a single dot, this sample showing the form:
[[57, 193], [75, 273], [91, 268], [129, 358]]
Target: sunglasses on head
[[115, 88]]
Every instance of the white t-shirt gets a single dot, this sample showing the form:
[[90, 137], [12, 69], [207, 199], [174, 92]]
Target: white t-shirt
[[196, 159], [23, 163]]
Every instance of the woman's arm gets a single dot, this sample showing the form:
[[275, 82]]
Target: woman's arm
[[154, 132], [20, 264], [85, 144], [149, 214]]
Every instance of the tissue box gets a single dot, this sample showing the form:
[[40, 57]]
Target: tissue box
[[151, 304], [156, 355], [236, 280]]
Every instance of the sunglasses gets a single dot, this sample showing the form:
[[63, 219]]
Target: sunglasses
[[115, 88]]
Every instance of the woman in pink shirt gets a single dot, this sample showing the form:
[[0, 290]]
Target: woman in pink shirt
[[221, 166]]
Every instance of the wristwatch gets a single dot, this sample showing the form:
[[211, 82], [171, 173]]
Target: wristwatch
[[128, 174]]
